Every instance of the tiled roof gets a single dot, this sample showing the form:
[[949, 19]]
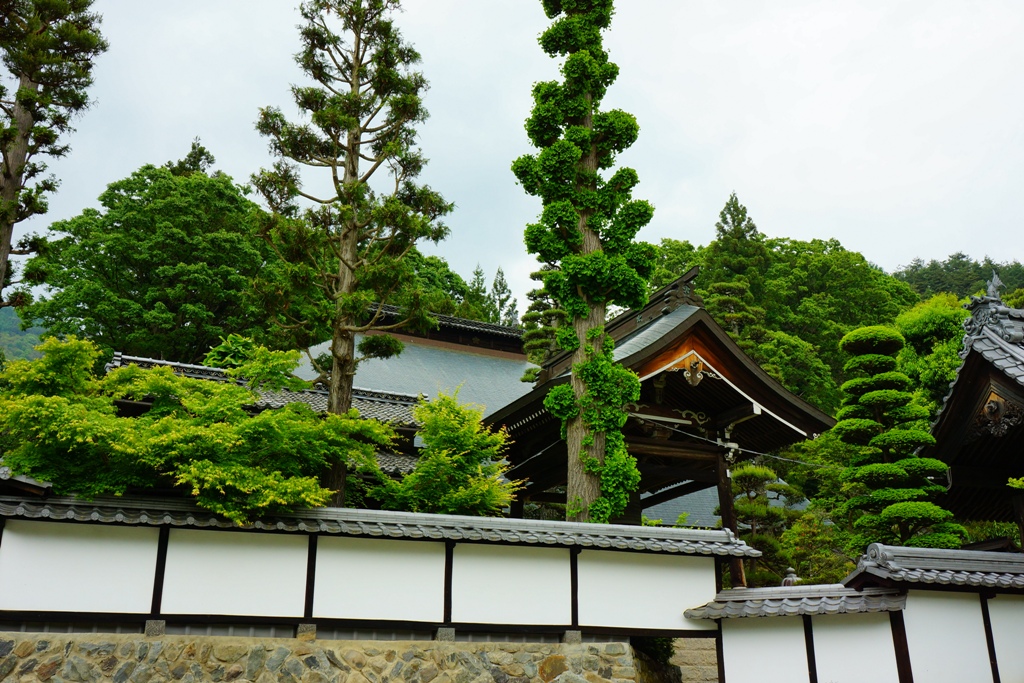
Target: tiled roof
[[469, 325], [789, 601], [893, 565], [384, 406], [481, 378], [396, 463], [348, 522]]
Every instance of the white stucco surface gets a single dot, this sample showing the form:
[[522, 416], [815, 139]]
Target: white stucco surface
[[765, 650], [251, 574], [1007, 615], [46, 566], [852, 648], [362, 578], [511, 585], [946, 637], [650, 591]]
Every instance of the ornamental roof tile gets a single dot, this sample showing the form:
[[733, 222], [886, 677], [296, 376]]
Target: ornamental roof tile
[[894, 565], [349, 522], [791, 601]]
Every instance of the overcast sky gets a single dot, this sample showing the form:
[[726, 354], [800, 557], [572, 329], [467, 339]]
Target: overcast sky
[[895, 127]]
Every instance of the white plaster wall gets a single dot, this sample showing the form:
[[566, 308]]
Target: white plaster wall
[[361, 578], [946, 636], [46, 566], [852, 648], [643, 591], [511, 585], [250, 574], [765, 650], [1007, 615]]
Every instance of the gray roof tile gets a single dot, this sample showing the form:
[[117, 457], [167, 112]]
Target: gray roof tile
[[970, 568], [798, 600], [349, 522], [385, 406]]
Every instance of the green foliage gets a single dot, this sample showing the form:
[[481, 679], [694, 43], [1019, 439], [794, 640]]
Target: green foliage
[[344, 252], [162, 271], [48, 49], [959, 274], [585, 237], [59, 423], [934, 332], [764, 509], [460, 470], [672, 259], [816, 548], [890, 488], [257, 366]]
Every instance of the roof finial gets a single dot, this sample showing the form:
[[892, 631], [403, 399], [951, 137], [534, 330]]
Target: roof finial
[[994, 285]]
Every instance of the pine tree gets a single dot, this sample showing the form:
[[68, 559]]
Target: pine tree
[[344, 253], [896, 486], [504, 307], [585, 235], [738, 251], [48, 49]]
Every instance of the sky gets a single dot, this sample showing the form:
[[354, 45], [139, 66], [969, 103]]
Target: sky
[[894, 127]]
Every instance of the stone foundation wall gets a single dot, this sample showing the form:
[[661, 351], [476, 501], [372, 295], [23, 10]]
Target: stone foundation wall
[[110, 658], [697, 660]]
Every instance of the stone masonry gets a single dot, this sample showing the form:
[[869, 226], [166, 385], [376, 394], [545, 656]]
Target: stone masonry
[[697, 660], [110, 658]]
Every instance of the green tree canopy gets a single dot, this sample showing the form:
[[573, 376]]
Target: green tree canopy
[[342, 251], [48, 49], [59, 423], [896, 487], [460, 468], [585, 236], [163, 270]]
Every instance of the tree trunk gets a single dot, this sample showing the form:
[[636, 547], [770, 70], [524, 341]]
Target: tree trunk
[[15, 155], [584, 488]]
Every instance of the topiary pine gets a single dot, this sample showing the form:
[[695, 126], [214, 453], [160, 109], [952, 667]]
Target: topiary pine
[[896, 487], [585, 235]]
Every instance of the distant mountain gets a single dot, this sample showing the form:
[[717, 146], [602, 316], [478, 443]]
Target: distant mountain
[[15, 342]]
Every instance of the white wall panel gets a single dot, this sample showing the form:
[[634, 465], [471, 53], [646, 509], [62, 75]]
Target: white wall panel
[[643, 591], [511, 585], [47, 566], [218, 572], [840, 644], [362, 578], [946, 636], [1007, 615], [766, 650]]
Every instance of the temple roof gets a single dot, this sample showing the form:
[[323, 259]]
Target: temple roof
[[980, 426], [895, 566], [789, 601], [385, 406], [390, 524]]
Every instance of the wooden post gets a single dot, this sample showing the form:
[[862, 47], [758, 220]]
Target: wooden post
[[728, 514]]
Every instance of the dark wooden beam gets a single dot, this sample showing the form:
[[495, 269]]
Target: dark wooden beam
[[672, 449]]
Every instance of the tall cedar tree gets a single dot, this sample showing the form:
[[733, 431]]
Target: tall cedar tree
[[894, 504], [585, 233], [343, 254], [48, 49]]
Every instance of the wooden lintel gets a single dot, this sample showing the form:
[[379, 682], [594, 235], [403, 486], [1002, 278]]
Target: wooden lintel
[[547, 497], [673, 449]]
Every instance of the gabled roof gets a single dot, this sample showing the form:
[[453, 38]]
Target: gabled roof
[[385, 406], [980, 426], [894, 566], [790, 601], [389, 524], [483, 376]]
